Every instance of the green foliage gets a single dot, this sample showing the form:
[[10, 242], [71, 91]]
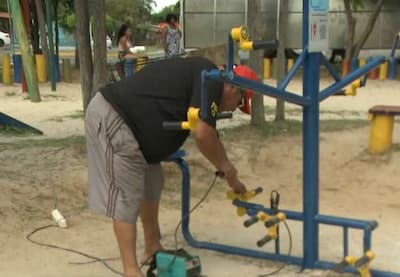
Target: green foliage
[[132, 12], [357, 4], [66, 15], [160, 17], [3, 6]]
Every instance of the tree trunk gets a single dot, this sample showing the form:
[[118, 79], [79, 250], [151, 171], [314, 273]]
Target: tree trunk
[[84, 49], [281, 58], [99, 46], [254, 19], [368, 28], [76, 54], [52, 64], [56, 32], [26, 53], [351, 28], [35, 28], [43, 33]]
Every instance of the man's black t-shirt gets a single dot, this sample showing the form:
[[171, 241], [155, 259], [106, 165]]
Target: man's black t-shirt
[[160, 92]]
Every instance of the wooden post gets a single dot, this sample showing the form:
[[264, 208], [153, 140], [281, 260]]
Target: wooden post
[[52, 69], [27, 58]]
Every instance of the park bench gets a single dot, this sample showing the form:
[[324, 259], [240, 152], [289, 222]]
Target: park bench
[[382, 123]]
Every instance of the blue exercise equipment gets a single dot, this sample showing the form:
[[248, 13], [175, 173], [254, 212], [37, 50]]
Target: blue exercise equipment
[[309, 101], [11, 122], [392, 59]]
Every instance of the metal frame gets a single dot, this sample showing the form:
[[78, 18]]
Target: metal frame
[[9, 121], [310, 216]]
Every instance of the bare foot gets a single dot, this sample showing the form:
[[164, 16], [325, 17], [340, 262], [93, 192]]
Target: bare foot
[[148, 255], [134, 274]]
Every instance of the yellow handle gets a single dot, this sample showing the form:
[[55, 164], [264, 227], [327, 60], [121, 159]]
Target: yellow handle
[[352, 90], [241, 34], [193, 118]]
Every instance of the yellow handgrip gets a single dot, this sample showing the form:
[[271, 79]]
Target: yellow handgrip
[[352, 90], [193, 118], [246, 45], [240, 211], [350, 260], [241, 34], [262, 216], [364, 270], [273, 230]]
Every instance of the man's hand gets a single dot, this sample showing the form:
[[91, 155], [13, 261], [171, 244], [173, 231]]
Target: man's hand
[[230, 174]]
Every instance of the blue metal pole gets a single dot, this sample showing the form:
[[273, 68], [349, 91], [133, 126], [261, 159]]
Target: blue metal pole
[[293, 70], [330, 68], [230, 54], [204, 95], [345, 241], [310, 149], [394, 46]]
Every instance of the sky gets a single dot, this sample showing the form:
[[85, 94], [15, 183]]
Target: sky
[[163, 3]]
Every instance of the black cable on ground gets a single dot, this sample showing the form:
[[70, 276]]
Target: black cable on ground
[[93, 258]]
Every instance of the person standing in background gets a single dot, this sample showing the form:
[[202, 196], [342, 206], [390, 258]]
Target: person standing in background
[[127, 58], [124, 38], [171, 36]]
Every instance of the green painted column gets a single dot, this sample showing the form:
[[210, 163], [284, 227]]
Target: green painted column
[[26, 52], [51, 62]]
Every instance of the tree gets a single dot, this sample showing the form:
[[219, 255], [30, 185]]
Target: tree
[[139, 11], [281, 59], [255, 18], [84, 50], [42, 28], [160, 16], [99, 46], [353, 48]]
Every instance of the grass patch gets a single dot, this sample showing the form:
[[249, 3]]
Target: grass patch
[[294, 127], [51, 142], [77, 115], [334, 125], [8, 131]]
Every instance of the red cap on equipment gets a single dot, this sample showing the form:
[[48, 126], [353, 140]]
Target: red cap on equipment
[[246, 72]]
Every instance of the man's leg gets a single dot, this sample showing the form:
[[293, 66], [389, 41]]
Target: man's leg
[[154, 181], [126, 237], [151, 228]]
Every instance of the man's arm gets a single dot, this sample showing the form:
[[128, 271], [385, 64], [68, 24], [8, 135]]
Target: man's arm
[[210, 146]]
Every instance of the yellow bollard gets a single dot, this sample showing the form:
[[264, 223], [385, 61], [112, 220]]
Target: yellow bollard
[[66, 70], [383, 70], [267, 69], [290, 63], [41, 68], [381, 133], [140, 63], [362, 62], [7, 80]]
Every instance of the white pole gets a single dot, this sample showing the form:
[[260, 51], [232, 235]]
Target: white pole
[[182, 22], [278, 16], [246, 9]]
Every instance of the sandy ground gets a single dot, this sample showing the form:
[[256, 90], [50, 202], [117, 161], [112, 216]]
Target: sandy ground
[[34, 177]]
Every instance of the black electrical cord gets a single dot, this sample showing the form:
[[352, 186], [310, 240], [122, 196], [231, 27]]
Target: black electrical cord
[[274, 207], [93, 258], [176, 249]]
